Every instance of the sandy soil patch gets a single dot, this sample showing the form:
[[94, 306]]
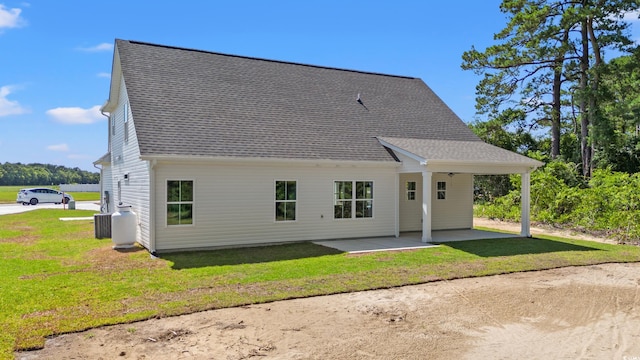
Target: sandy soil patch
[[538, 230], [583, 312], [577, 312]]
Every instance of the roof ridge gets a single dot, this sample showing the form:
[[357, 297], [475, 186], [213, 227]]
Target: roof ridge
[[267, 60]]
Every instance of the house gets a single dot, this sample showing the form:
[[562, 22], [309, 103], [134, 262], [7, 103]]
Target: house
[[217, 150]]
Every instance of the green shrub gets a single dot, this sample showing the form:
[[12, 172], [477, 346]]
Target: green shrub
[[609, 202]]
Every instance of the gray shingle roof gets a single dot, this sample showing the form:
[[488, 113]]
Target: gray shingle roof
[[196, 103], [477, 152]]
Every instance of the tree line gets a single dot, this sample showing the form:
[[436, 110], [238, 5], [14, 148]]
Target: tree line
[[549, 91], [547, 74], [17, 174]]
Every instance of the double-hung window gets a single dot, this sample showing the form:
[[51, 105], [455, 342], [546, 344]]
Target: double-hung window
[[126, 122], [411, 190], [352, 199], [442, 190], [286, 198], [343, 196], [179, 202]]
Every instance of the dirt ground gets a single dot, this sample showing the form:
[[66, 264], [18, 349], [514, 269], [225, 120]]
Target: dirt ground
[[588, 312], [538, 230]]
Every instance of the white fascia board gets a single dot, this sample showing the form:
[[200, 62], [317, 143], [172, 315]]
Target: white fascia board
[[114, 88], [406, 153], [258, 161]]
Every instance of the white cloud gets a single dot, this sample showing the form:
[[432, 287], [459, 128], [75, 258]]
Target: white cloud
[[10, 18], [58, 147], [76, 115], [98, 48], [8, 107], [104, 75]]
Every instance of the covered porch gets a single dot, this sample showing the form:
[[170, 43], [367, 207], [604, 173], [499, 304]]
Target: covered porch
[[437, 177], [409, 240]]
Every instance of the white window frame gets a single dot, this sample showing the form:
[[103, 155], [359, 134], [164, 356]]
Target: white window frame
[[276, 201], [192, 202], [441, 193], [126, 122], [353, 200], [411, 193]]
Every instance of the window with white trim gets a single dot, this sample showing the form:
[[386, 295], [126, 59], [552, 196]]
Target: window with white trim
[[126, 122], [179, 202], [286, 197], [411, 190], [441, 190], [352, 199]]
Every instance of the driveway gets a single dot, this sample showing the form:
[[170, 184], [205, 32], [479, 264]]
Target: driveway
[[19, 208]]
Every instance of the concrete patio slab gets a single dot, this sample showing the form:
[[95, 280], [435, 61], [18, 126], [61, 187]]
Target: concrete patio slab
[[469, 234], [409, 241]]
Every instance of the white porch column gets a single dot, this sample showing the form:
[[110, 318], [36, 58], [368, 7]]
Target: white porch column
[[525, 197], [397, 206], [426, 206]]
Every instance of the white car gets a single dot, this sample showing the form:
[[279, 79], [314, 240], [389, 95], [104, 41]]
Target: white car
[[42, 195]]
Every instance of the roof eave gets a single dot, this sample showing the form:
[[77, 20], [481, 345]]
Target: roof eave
[[114, 88], [269, 160], [104, 159]]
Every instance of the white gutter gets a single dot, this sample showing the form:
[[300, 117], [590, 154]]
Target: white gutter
[[268, 161]]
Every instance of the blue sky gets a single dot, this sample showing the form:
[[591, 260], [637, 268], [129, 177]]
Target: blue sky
[[55, 56]]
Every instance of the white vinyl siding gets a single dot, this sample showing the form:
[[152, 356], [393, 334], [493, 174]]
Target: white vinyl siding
[[107, 185], [409, 165], [125, 159], [455, 211], [224, 216]]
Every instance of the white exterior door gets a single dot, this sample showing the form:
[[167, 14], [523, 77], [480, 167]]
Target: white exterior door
[[410, 198]]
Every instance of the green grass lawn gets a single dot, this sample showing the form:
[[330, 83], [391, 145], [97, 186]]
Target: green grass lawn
[[8, 194], [57, 278]]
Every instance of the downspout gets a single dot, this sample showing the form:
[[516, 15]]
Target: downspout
[[101, 188], [101, 168], [108, 128], [152, 208], [397, 205]]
